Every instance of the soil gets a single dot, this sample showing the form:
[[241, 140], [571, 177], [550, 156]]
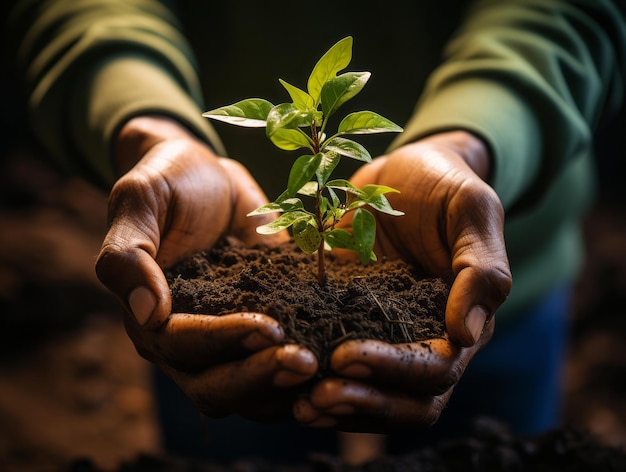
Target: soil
[[75, 396], [388, 300], [490, 449]]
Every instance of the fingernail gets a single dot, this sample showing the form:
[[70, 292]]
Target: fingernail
[[142, 303], [295, 358], [359, 371], [475, 322]]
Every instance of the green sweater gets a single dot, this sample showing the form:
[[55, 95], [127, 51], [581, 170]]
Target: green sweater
[[533, 78]]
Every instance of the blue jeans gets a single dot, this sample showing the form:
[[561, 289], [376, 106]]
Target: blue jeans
[[516, 379]]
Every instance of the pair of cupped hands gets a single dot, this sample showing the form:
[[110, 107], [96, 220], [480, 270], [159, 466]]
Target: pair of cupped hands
[[176, 197]]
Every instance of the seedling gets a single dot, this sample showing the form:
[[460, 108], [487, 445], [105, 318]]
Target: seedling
[[302, 124]]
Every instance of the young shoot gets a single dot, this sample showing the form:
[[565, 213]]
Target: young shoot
[[301, 124]]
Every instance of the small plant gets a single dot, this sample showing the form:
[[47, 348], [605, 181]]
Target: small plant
[[302, 124]]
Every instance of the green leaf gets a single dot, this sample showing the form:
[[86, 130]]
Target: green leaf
[[374, 196], [330, 160], [286, 116], [340, 239], [282, 197], [306, 236], [251, 113], [348, 148], [373, 190], [324, 205], [284, 221], [301, 99], [364, 231], [382, 204], [289, 204], [334, 210], [336, 202], [345, 185], [335, 59], [379, 203], [302, 171], [367, 122], [290, 139], [340, 89], [309, 189], [333, 216]]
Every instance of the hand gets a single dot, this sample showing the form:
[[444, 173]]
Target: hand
[[176, 198], [452, 227]]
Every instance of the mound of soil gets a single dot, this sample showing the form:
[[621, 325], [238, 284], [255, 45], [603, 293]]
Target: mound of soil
[[387, 300], [491, 448]]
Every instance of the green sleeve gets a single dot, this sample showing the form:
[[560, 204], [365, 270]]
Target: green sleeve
[[89, 66], [533, 78]]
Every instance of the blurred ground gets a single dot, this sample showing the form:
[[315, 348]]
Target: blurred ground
[[596, 374], [72, 385]]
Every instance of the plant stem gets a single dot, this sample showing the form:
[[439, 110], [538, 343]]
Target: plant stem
[[321, 263], [321, 269]]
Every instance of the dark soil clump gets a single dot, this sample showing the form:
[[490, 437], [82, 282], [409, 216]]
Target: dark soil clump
[[386, 300], [490, 448]]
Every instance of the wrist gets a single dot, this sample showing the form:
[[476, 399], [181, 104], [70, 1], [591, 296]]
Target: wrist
[[470, 147], [139, 134]]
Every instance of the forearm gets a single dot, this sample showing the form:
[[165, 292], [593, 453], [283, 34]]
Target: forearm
[[141, 133], [532, 79], [470, 147], [114, 60]]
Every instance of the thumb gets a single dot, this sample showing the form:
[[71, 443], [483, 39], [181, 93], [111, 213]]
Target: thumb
[[126, 267], [474, 298]]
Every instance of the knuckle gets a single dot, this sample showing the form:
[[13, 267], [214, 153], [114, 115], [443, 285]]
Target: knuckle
[[435, 411], [500, 281], [425, 415], [108, 260], [451, 378]]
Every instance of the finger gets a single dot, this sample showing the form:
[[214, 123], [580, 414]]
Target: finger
[[193, 342], [354, 406], [473, 300], [126, 264], [427, 367], [480, 264], [136, 280], [249, 385]]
